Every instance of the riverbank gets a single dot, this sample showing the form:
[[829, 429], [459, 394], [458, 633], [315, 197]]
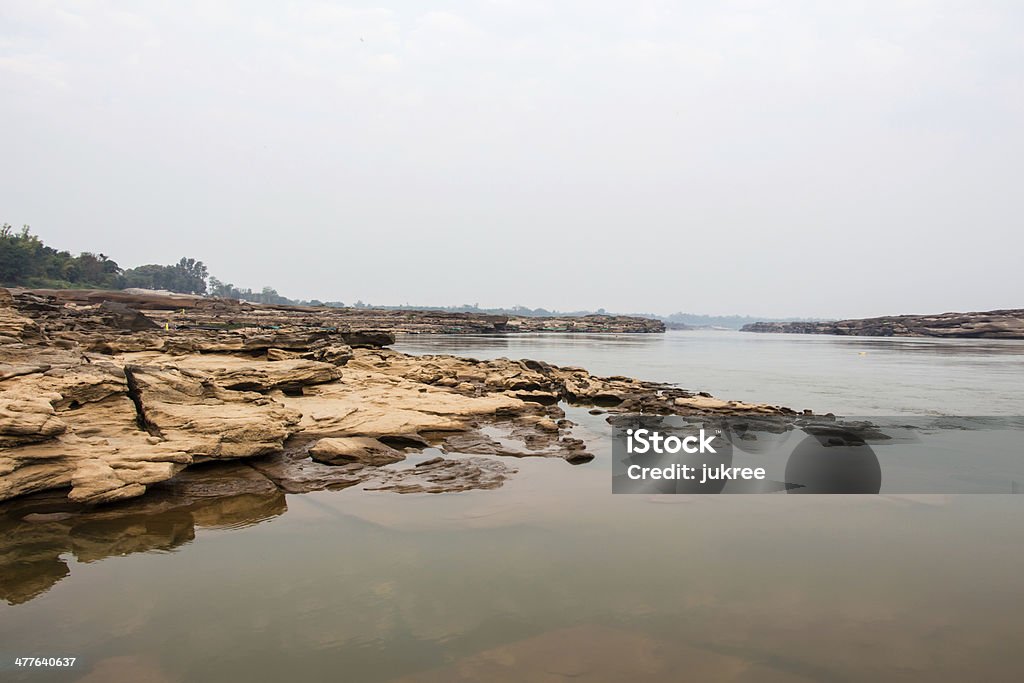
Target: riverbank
[[1002, 324], [186, 311], [102, 402]]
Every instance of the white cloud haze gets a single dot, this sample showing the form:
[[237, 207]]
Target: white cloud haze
[[783, 158]]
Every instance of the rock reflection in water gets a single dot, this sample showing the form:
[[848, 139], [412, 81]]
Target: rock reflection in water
[[35, 531]]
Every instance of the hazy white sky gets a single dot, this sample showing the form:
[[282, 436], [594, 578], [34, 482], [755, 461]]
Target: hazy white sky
[[770, 158]]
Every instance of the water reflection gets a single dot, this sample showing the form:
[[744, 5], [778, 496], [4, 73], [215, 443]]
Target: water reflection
[[842, 375], [35, 531], [551, 577], [940, 347]]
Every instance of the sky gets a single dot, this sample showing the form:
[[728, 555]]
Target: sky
[[764, 158]]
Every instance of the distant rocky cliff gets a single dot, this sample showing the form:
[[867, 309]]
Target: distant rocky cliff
[[1004, 324]]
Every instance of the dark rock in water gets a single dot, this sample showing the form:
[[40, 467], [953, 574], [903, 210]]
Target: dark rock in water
[[368, 338], [296, 473], [441, 475], [1002, 324], [123, 318]]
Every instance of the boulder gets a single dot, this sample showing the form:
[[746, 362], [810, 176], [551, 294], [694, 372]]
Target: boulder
[[359, 449], [118, 315]]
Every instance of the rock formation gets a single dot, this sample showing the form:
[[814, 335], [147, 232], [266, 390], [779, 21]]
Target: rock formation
[[1003, 324], [190, 311], [101, 403]]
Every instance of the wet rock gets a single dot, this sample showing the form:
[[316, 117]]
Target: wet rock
[[358, 449], [297, 473], [440, 475], [547, 424]]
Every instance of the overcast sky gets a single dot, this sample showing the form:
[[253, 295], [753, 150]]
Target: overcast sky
[[771, 158]]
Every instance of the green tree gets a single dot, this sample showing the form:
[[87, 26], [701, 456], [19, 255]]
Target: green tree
[[187, 276], [25, 261]]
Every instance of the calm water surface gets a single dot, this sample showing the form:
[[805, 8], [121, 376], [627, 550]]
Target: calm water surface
[[844, 375], [551, 578]]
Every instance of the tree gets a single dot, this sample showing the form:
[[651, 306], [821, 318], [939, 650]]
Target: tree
[[25, 261], [187, 276]]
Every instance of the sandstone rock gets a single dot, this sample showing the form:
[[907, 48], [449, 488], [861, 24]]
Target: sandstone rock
[[105, 414], [708, 404], [297, 473], [1002, 324], [338, 354], [16, 326], [9, 370], [281, 354], [345, 450], [547, 425], [440, 475], [27, 420], [246, 374], [189, 410], [119, 316]]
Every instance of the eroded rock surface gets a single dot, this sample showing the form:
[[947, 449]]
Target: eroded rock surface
[[365, 325], [101, 402], [350, 449]]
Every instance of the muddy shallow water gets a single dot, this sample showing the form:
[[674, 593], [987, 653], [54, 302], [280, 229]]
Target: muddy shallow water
[[549, 578]]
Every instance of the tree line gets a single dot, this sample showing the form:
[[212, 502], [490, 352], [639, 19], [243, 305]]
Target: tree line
[[25, 261]]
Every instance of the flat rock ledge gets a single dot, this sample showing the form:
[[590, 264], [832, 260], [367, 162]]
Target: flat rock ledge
[[100, 403], [184, 310], [1002, 324]]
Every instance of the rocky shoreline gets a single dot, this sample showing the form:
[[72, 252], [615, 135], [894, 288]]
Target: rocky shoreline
[[188, 311], [103, 402], [1002, 324], [121, 432]]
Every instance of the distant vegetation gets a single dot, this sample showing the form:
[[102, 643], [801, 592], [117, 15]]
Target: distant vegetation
[[733, 322], [268, 295], [26, 262], [187, 276]]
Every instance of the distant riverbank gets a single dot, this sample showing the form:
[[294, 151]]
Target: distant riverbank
[[1001, 324], [178, 311]]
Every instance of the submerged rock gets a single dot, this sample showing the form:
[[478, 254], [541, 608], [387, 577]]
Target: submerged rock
[[440, 475]]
